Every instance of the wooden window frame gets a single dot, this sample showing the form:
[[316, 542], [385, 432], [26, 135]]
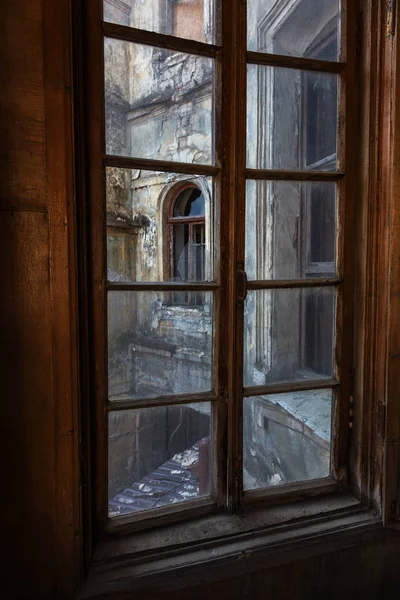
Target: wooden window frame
[[374, 473], [230, 285]]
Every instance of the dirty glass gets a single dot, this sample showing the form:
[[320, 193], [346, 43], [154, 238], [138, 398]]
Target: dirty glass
[[158, 103], [291, 119], [159, 344], [158, 456], [190, 19], [148, 239], [290, 229], [286, 438], [289, 335], [307, 28]]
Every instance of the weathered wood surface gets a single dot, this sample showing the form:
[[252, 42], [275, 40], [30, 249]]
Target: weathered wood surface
[[39, 522]]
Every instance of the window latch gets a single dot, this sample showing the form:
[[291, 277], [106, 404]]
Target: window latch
[[241, 284]]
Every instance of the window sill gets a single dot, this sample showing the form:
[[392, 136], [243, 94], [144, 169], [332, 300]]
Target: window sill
[[169, 557]]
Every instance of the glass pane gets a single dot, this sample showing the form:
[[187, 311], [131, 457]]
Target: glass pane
[[190, 19], [159, 343], [144, 240], [158, 103], [190, 203], [289, 335], [290, 229], [286, 438], [158, 456], [291, 119], [308, 28]]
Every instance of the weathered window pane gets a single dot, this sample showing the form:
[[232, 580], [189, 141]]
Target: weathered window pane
[[290, 229], [286, 438], [291, 119], [190, 19], [289, 335], [158, 103], [146, 238], [158, 456], [308, 28], [159, 343]]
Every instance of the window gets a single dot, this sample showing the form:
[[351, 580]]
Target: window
[[220, 360], [186, 239]]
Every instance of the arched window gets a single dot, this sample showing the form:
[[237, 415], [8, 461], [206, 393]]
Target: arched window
[[186, 238]]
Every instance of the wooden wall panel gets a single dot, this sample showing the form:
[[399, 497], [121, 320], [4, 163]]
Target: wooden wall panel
[[22, 150], [27, 432], [39, 515]]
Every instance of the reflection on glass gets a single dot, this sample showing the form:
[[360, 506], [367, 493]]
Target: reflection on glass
[[286, 438], [289, 335], [190, 19], [290, 229], [159, 226], [308, 28], [291, 119], [158, 457], [159, 343], [158, 103]]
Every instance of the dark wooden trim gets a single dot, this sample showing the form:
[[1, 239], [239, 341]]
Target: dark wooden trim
[[59, 144], [165, 166], [277, 284], [24, 207], [82, 240], [151, 38], [167, 286], [295, 386], [347, 152], [300, 490], [365, 453], [239, 127], [184, 220], [159, 517], [294, 62], [135, 403], [276, 175], [223, 260], [391, 188], [94, 114]]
